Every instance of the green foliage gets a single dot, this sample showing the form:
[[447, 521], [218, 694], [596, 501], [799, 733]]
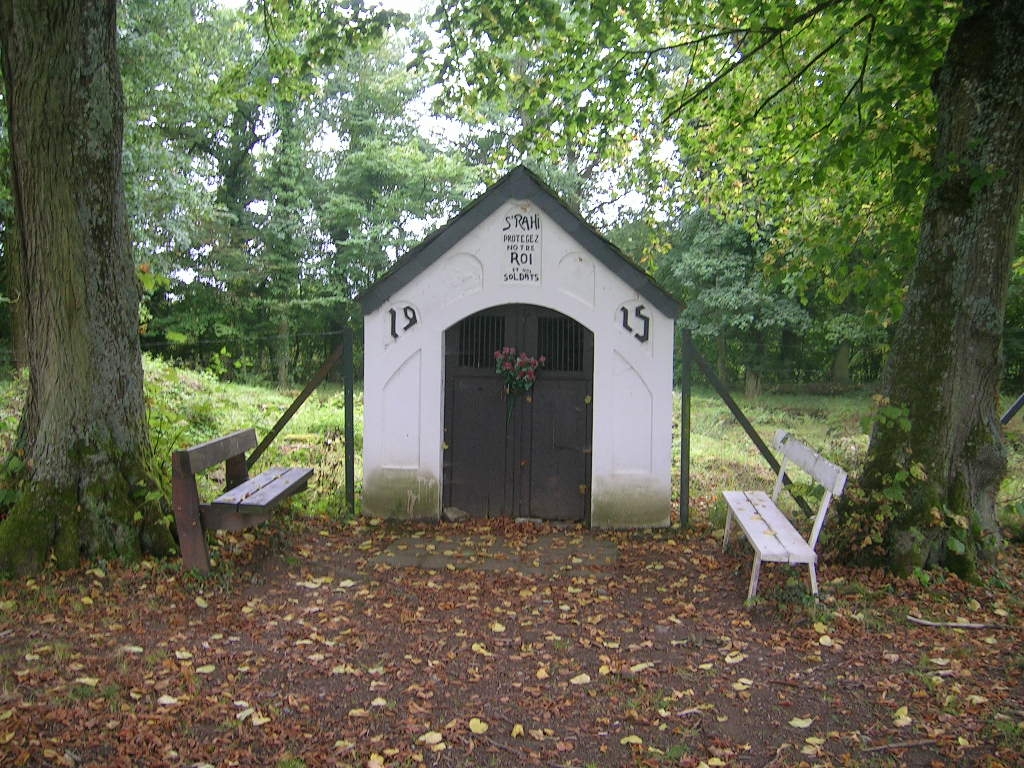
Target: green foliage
[[809, 122], [189, 407], [307, 174]]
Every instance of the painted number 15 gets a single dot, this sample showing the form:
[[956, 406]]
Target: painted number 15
[[643, 320]]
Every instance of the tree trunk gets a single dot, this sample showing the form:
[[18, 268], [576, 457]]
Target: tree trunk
[[936, 456], [83, 435], [284, 347], [722, 359], [15, 292], [841, 364], [752, 387]]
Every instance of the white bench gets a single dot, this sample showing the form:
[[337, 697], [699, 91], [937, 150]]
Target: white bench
[[768, 530]]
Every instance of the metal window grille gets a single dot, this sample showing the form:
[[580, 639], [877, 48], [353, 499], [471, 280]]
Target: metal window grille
[[562, 341], [479, 336]]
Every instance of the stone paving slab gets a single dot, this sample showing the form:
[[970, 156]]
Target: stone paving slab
[[573, 550]]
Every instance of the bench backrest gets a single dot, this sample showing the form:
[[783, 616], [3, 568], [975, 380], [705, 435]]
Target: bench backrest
[[829, 476], [217, 451]]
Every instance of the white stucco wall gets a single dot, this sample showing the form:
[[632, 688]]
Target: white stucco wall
[[519, 255]]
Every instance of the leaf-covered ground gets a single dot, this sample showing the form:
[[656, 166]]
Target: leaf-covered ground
[[495, 643]]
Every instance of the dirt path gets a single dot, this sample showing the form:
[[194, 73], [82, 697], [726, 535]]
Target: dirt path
[[481, 644]]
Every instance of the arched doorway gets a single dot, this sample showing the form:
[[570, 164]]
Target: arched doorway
[[532, 459]]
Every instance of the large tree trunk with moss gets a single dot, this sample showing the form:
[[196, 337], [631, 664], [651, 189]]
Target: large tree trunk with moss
[[936, 457], [83, 440]]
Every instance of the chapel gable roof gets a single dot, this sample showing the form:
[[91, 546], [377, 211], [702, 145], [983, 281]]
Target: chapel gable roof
[[518, 184]]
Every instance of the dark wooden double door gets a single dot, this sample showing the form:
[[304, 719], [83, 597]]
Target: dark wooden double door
[[531, 457]]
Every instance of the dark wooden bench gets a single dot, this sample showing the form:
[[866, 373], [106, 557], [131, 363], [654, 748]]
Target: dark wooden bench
[[247, 501]]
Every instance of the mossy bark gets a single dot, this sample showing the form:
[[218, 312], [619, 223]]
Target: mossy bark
[[83, 437], [936, 456]]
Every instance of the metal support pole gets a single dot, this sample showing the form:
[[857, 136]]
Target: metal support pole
[[348, 371], [1012, 410], [685, 392], [314, 382], [765, 451]]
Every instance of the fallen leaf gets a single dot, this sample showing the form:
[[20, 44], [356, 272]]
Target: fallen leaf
[[497, 627], [517, 731], [206, 669], [801, 722], [166, 701], [477, 726], [91, 682], [201, 602], [631, 739], [430, 738], [581, 679]]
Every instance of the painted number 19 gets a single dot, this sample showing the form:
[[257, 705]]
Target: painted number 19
[[410, 320]]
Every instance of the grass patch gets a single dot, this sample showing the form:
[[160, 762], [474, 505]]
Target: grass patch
[[188, 407]]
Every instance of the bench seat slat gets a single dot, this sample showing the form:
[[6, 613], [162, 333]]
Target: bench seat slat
[[758, 530], [264, 490], [797, 552], [230, 519]]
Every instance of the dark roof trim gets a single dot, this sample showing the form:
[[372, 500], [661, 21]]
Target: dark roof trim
[[519, 184]]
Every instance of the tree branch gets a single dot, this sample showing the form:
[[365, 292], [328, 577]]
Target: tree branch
[[811, 62], [954, 624], [773, 33]]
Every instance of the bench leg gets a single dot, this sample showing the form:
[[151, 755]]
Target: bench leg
[[814, 579], [185, 500], [755, 574], [728, 527]]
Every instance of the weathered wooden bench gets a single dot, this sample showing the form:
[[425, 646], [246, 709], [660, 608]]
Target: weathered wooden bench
[[247, 501], [768, 530]]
